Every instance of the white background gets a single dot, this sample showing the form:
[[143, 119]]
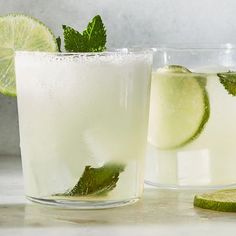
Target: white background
[[128, 22]]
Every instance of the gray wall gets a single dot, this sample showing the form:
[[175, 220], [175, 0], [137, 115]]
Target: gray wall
[[128, 22]]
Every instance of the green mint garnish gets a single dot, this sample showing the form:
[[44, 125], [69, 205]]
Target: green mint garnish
[[58, 39], [96, 181], [228, 80], [93, 38]]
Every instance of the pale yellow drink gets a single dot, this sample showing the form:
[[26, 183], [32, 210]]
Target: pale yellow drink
[[192, 132], [78, 110]]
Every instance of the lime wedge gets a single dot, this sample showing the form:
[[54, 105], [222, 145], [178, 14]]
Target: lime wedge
[[223, 200], [179, 107], [24, 33]]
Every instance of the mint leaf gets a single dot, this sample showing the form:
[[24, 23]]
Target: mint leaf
[[95, 35], [93, 38], [58, 39], [228, 80], [96, 181], [73, 40]]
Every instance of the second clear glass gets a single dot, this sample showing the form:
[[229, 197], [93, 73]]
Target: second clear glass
[[192, 132]]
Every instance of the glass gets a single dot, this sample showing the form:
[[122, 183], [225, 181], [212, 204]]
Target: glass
[[192, 131], [83, 121]]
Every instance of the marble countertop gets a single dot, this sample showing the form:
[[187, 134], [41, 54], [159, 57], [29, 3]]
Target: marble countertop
[[161, 212]]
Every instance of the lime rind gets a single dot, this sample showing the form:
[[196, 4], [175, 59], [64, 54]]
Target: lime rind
[[19, 32], [223, 200], [174, 69]]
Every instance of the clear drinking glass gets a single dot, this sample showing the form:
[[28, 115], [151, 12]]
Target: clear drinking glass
[[192, 131], [83, 121]]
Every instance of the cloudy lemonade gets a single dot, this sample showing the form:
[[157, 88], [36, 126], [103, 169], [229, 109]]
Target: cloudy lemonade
[[83, 124]]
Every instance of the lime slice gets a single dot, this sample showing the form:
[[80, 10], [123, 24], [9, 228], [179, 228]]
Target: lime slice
[[20, 32], [223, 200], [179, 107]]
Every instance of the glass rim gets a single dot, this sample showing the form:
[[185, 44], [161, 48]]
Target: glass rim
[[193, 47], [109, 52]]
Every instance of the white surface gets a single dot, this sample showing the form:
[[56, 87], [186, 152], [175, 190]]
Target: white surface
[[161, 212]]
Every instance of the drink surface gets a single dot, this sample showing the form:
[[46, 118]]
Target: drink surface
[[192, 135], [78, 111]]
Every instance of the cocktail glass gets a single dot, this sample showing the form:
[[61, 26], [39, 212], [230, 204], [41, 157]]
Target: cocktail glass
[[83, 121], [192, 131]]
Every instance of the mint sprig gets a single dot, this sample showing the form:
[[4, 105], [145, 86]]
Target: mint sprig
[[228, 80], [96, 181], [93, 38]]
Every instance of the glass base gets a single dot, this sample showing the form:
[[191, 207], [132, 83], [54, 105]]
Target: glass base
[[83, 205], [188, 187]]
